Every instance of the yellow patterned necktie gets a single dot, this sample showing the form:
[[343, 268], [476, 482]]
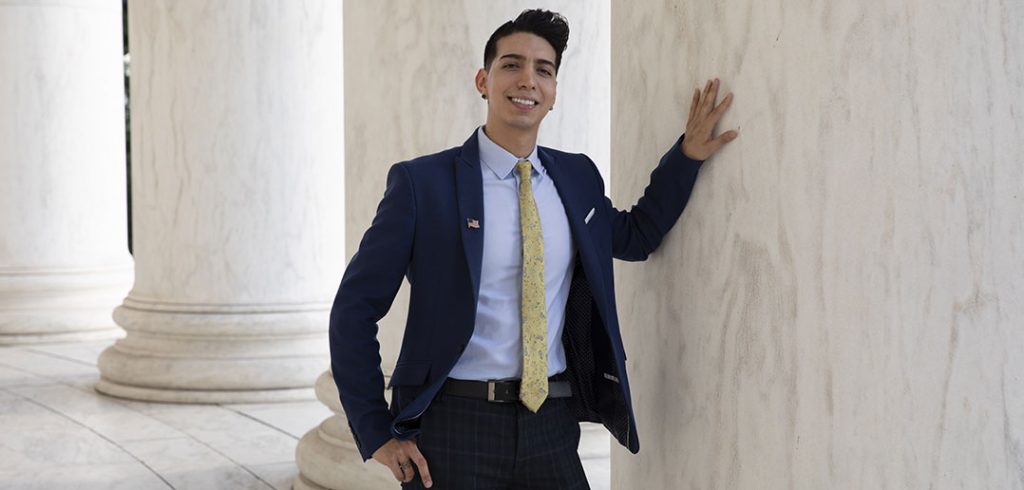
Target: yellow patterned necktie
[[533, 389]]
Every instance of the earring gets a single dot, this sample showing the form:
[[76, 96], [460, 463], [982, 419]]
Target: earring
[[483, 96]]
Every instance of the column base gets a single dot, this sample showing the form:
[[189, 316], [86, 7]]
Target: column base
[[328, 458], [61, 305], [225, 354], [301, 483]]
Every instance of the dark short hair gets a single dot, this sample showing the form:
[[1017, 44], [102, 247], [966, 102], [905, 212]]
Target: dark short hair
[[549, 25]]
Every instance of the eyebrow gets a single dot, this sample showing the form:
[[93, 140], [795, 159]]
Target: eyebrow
[[519, 57]]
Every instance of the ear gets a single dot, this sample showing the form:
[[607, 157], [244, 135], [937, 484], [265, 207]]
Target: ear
[[481, 81]]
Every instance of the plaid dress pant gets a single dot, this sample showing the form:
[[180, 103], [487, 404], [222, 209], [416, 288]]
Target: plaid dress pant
[[472, 444]]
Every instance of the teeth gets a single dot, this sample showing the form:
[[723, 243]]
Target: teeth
[[523, 101]]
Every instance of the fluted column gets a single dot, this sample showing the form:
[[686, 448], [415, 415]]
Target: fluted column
[[64, 262], [840, 304], [420, 99], [238, 200]]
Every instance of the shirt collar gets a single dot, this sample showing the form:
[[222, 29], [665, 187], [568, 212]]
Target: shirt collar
[[500, 161]]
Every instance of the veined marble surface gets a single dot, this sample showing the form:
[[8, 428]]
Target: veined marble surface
[[409, 71], [60, 433], [238, 200], [840, 306], [237, 142], [64, 260], [62, 164]]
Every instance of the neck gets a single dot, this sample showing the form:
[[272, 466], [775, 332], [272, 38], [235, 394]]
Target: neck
[[517, 142]]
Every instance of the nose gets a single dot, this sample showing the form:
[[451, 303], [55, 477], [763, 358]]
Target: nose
[[526, 79]]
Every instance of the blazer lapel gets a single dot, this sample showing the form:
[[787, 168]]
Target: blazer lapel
[[576, 209], [469, 189]]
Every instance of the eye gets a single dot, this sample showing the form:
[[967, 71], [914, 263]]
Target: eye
[[545, 72], [508, 66]]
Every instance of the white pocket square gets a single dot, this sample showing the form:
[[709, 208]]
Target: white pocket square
[[589, 215]]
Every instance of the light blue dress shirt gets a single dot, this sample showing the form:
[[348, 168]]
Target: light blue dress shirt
[[495, 350]]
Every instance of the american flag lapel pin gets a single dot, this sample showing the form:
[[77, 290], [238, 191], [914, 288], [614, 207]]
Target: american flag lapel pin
[[472, 223]]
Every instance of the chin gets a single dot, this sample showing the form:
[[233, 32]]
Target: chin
[[524, 124]]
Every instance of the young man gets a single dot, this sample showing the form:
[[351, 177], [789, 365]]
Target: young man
[[512, 336]]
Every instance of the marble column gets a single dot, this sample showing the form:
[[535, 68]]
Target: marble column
[[237, 121], [64, 262], [419, 98], [840, 304]]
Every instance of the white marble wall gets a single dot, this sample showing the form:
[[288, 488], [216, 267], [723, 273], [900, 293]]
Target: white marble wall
[[409, 91], [238, 193], [64, 260], [841, 304]]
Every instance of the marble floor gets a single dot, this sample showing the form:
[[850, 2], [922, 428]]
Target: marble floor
[[57, 432]]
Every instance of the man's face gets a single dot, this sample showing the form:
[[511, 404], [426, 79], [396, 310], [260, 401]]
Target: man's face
[[520, 86]]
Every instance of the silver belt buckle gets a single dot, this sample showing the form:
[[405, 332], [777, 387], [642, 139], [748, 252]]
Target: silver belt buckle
[[490, 391]]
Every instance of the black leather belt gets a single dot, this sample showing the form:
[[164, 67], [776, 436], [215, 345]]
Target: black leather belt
[[500, 391]]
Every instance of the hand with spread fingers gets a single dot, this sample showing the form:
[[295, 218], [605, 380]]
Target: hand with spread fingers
[[399, 457], [700, 142]]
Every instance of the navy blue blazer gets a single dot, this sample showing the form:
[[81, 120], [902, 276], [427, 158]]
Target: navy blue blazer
[[421, 233]]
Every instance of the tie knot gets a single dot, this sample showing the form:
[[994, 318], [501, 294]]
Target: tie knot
[[524, 167]]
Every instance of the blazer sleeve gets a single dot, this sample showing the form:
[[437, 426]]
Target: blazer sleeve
[[638, 232], [367, 291]]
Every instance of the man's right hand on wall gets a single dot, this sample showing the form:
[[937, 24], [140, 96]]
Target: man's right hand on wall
[[699, 142]]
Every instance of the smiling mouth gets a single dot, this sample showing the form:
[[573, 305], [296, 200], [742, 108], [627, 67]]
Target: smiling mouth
[[522, 103]]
